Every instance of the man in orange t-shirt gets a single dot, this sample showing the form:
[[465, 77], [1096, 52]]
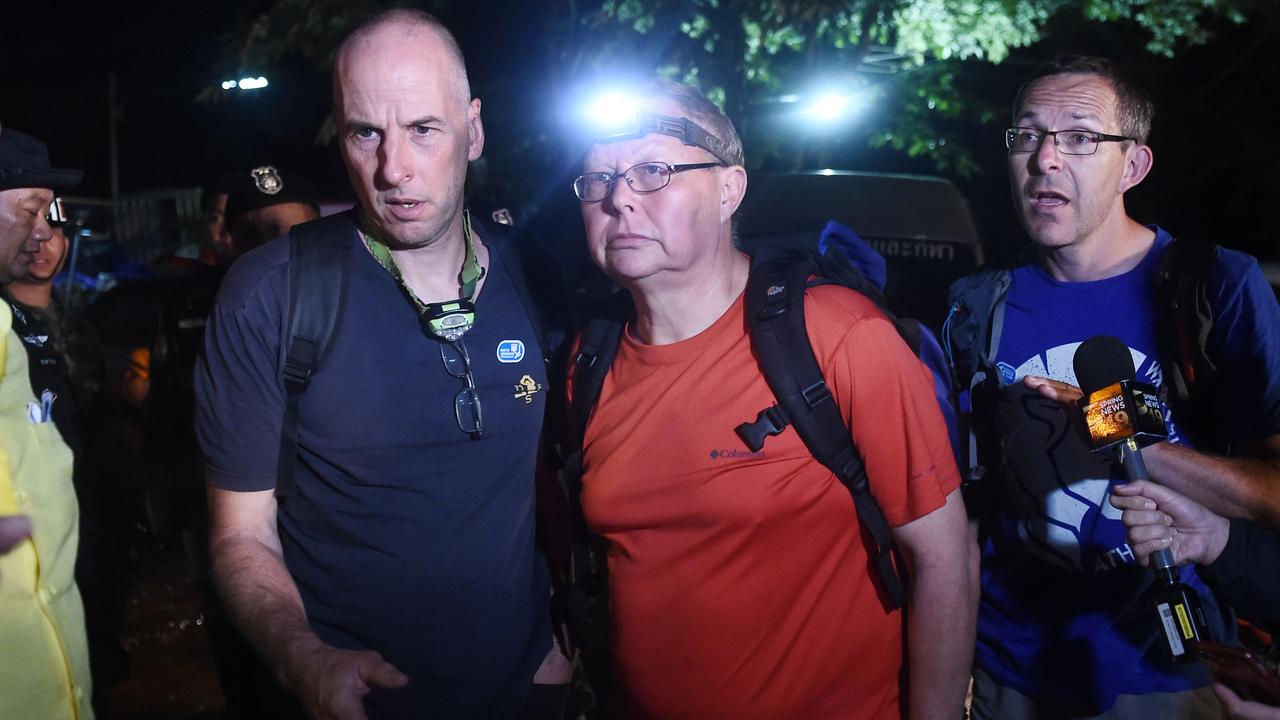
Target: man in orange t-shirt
[[740, 586]]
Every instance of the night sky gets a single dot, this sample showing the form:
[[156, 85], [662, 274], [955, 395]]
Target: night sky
[[1214, 136]]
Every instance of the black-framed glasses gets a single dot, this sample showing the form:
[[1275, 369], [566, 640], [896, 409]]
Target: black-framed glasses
[[1068, 142], [466, 405], [645, 177]]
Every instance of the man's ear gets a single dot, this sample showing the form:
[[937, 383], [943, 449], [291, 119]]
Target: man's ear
[[1137, 163], [475, 131], [733, 187]]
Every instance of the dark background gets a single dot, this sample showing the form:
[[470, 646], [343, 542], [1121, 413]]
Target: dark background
[[1214, 134]]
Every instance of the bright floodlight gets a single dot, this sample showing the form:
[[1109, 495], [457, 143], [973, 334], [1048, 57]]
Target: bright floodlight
[[229, 84], [611, 110], [830, 107], [253, 83]]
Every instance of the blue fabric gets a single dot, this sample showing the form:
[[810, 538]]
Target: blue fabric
[[1064, 616], [405, 536], [864, 257]]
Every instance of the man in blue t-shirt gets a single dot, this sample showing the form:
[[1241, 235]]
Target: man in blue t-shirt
[[399, 578], [1066, 627]]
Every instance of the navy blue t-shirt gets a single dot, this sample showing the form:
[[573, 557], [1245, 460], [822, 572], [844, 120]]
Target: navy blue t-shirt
[[405, 535], [1065, 614]]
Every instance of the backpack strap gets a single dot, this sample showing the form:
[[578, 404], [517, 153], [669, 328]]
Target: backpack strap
[[972, 329], [1184, 321], [775, 314], [586, 595], [319, 259], [1187, 317]]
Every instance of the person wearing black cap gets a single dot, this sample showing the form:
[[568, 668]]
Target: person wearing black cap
[[44, 670], [264, 204]]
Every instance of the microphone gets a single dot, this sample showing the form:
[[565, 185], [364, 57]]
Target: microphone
[[1120, 412]]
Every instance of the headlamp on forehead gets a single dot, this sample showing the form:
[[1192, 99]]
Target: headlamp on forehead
[[681, 128]]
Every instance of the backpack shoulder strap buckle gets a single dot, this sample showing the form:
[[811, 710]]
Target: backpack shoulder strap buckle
[[771, 421]]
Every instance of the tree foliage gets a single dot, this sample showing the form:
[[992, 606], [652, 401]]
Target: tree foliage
[[906, 61]]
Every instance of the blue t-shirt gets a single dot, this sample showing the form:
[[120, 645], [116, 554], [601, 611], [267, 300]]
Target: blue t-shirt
[[404, 536], [1065, 615]]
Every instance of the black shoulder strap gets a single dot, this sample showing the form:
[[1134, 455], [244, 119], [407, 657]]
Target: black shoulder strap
[[319, 256], [1186, 316], [598, 344], [775, 314], [586, 595]]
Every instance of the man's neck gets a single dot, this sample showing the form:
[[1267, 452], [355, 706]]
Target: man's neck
[[431, 271], [35, 295], [669, 310], [1109, 252]]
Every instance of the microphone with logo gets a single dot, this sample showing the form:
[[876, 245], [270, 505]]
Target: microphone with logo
[[1122, 415]]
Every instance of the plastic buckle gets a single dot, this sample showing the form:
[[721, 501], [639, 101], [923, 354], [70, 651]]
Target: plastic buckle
[[295, 377], [816, 393], [768, 423]]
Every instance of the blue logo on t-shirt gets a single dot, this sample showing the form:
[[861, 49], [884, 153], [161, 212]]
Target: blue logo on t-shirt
[[1007, 373], [510, 351]]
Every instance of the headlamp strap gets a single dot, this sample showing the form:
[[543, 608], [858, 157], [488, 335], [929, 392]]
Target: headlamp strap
[[446, 320]]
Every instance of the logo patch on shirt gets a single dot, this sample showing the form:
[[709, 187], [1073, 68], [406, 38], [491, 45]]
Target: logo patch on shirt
[[527, 388], [511, 351], [35, 340], [1007, 373], [735, 454]]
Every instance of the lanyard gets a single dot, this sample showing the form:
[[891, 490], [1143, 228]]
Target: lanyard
[[468, 277]]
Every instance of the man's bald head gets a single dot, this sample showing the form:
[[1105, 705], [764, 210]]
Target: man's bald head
[[401, 25]]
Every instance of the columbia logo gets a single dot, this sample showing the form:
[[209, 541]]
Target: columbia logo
[[735, 454]]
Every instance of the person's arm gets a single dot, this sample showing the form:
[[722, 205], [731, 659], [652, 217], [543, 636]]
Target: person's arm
[[942, 608], [1157, 517], [262, 598], [1247, 487], [1234, 708], [1238, 559]]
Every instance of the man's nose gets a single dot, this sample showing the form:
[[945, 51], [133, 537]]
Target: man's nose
[[42, 231], [394, 166], [621, 196], [1046, 157]]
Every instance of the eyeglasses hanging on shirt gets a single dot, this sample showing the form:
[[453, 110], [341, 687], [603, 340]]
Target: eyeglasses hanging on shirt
[[448, 322]]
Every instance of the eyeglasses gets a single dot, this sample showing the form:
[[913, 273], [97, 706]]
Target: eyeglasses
[[1068, 142], [466, 406], [645, 177]]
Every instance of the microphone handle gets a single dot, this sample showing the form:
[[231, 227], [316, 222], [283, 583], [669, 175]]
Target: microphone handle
[[1136, 469]]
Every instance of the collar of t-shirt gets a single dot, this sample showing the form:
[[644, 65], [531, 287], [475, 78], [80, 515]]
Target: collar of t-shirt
[[468, 278]]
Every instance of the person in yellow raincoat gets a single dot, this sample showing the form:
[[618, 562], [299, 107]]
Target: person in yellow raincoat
[[44, 657]]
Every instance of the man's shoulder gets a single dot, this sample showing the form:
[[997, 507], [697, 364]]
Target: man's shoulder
[[255, 272], [833, 304]]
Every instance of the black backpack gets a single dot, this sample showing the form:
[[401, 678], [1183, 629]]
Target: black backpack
[[320, 255]]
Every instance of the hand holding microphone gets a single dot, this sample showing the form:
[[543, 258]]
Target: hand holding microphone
[[1121, 413]]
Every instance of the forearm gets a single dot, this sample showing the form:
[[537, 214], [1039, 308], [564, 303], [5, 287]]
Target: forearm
[[941, 618], [264, 602], [1231, 487]]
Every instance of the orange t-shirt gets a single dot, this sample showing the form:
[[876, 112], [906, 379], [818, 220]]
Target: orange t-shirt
[[739, 583]]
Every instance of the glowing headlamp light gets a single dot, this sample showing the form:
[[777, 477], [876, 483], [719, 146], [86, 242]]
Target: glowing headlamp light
[[681, 128]]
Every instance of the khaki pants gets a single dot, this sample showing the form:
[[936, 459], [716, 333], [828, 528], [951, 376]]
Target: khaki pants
[[993, 701]]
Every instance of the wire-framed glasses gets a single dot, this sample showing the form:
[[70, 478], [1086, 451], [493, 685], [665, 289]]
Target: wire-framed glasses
[[1068, 142], [466, 405], [645, 177]]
